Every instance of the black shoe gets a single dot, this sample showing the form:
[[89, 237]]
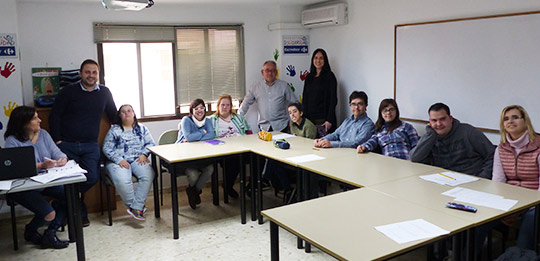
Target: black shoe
[[85, 222], [232, 193], [197, 195], [190, 191], [32, 236], [265, 184], [50, 240]]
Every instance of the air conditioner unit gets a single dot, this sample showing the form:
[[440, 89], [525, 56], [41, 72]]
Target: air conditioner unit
[[335, 14], [129, 5]]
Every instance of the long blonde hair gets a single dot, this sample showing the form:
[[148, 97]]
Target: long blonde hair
[[526, 118], [221, 97]]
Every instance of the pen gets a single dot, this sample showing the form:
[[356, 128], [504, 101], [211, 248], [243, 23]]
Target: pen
[[315, 149], [447, 176]]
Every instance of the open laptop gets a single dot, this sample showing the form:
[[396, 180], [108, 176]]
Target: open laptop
[[16, 163]]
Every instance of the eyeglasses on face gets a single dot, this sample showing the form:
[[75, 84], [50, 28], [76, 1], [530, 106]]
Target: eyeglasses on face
[[270, 70], [388, 110], [513, 117]]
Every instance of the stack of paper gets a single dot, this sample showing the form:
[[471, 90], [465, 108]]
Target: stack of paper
[[411, 230], [5, 184], [449, 178], [480, 198], [71, 169]]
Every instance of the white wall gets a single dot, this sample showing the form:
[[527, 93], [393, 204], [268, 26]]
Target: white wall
[[361, 53], [64, 38]]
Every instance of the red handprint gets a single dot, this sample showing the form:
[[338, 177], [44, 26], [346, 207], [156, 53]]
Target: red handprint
[[8, 69], [303, 75]]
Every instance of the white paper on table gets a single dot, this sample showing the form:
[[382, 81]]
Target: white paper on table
[[411, 230], [305, 158], [71, 169], [5, 184], [496, 203], [282, 136], [449, 178], [480, 198]]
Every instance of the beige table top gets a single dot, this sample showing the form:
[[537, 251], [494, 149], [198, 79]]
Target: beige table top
[[367, 169], [428, 194], [343, 224], [173, 153], [299, 146]]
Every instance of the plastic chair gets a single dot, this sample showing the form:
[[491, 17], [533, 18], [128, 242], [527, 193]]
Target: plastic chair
[[167, 137]]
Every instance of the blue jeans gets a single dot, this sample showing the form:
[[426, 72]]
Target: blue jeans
[[87, 155], [121, 178], [525, 237], [34, 201]]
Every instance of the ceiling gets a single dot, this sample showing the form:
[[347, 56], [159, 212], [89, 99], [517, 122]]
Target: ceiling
[[266, 2]]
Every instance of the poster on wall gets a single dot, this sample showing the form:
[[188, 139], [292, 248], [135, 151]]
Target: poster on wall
[[295, 44], [8, 45], [46, 84]]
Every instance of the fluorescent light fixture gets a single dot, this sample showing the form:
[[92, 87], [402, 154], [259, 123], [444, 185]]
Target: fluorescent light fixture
[[130, 5]]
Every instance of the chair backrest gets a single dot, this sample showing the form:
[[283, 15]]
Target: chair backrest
[[168, 137]]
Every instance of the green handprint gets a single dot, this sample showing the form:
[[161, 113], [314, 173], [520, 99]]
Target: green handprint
[[276, 55], [9, 109], [292, 87]]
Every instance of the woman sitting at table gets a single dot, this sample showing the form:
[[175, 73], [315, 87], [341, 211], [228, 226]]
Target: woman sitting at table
[[226, 123], [395, 137], [516, 162], [24, 129], [126, 148], [196, 127], [299, 125]]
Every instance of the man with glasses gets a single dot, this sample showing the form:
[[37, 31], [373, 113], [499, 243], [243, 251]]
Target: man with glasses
[[453, 145], [272, 96], [354, 130]]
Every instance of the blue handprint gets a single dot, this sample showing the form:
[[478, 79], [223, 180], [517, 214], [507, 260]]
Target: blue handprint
[[291, 71]]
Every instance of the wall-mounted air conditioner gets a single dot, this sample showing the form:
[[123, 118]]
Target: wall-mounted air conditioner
[[334, 14]]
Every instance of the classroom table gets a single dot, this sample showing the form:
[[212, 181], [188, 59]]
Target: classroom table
[[342, 224], [429, 194], [366, 169], [71, 185], [175, 154]]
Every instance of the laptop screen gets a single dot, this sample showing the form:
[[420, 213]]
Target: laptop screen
[[18, 162]]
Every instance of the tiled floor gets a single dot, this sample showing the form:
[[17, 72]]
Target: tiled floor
[[207, 233]]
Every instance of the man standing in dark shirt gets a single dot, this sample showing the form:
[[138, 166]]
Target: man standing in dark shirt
[[75, 119]]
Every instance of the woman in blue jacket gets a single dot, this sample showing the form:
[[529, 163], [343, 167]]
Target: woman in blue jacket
[[196, 127]]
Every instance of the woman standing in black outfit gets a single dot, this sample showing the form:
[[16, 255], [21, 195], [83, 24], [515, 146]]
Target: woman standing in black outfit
[[320, 94]]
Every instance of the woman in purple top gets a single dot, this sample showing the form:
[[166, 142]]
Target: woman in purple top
[[24, 129]]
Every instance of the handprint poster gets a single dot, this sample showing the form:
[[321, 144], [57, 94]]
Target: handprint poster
[[8, 47], [295, 61], [10, 91], [46, 84]]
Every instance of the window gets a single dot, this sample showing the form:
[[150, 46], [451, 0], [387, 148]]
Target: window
[[159, 68]]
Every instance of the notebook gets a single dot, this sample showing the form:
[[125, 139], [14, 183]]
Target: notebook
[[19, 162]]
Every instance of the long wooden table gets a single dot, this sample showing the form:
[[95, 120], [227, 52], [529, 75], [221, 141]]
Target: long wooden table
[[342, 224]]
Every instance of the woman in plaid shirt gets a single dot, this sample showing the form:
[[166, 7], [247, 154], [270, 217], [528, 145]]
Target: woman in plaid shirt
[[396, 138]]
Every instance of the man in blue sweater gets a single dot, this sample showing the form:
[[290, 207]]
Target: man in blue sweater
[[74, 123]]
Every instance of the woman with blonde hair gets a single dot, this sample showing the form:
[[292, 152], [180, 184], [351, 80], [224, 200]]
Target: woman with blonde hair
[[226, 123], [516, 162]]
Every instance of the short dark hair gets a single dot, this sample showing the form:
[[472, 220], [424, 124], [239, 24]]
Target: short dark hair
[[194, 104], [20, 116], [439, 106], [358, 95], [88, 61], [298, 106]]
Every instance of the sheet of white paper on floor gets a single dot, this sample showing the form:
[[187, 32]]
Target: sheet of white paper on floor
[[411, 230]]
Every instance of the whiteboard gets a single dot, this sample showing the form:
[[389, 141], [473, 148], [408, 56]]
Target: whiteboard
[[477, 66]]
